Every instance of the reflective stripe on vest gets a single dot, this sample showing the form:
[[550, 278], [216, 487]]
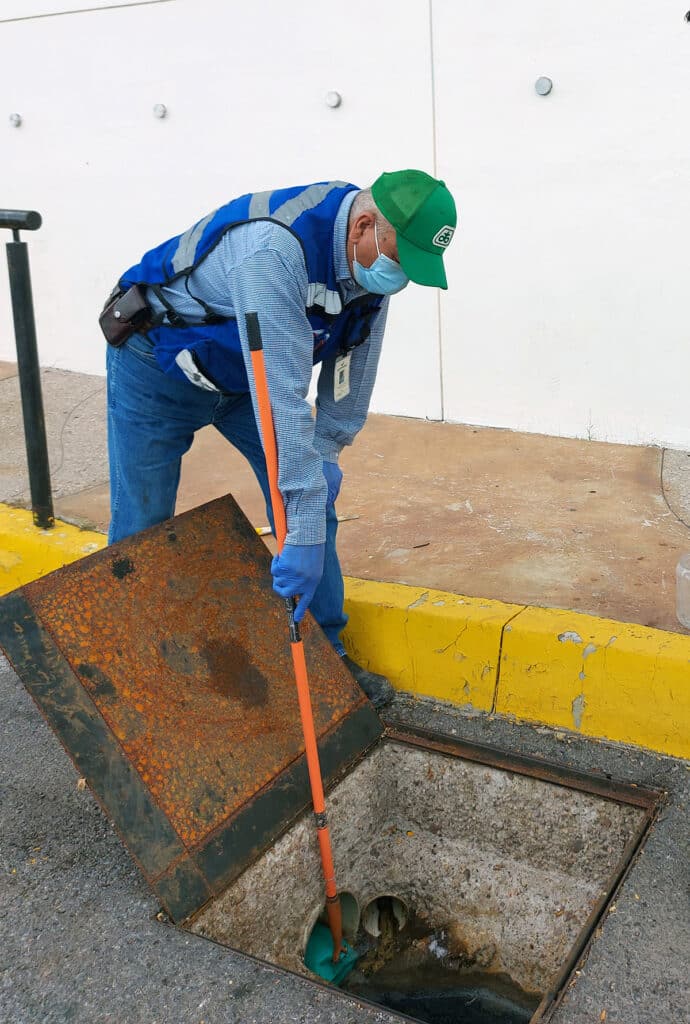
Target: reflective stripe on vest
[[212, 349]]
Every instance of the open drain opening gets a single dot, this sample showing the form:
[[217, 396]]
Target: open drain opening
[[468, 888]]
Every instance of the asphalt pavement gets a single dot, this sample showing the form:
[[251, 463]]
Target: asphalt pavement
[[81, 941]]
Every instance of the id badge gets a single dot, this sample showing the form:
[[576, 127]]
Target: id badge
[[341, 378]]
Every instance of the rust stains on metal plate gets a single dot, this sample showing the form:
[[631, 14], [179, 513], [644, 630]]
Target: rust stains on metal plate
[[178, 639]]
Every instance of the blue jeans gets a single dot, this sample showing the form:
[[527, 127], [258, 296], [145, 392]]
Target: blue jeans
[[152, 418]]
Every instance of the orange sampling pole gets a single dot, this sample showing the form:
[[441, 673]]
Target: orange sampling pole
[[271, 452]]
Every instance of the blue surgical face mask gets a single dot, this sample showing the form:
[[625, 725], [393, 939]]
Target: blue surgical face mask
[[383, 277]]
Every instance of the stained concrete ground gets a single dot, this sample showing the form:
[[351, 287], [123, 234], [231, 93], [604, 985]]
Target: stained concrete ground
[[523, 518], [489, 513]]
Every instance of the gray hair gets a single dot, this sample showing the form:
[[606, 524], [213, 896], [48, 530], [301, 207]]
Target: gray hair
[[364, 203]]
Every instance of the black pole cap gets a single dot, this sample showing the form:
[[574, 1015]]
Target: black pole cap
[[20, 220], [253, 332]]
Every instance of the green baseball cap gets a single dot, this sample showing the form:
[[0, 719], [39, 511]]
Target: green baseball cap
[[422, 211]]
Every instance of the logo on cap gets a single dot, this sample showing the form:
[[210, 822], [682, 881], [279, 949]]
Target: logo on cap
[[443, 237]]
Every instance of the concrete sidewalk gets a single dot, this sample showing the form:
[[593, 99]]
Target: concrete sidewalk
[[553, 559], [519, 518]]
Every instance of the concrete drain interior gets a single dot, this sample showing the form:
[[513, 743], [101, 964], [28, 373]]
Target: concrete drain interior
[[496, 876]]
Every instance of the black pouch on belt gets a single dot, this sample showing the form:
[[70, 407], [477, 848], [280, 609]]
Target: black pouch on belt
[[124, 314]]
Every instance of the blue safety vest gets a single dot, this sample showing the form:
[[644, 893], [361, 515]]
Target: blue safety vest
[[213, 346]]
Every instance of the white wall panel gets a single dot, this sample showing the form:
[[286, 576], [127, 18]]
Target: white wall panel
[[567, 308], [567, 312], [244, 85]]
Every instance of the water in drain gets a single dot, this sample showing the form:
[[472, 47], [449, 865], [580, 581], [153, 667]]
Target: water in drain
[[416, 968]]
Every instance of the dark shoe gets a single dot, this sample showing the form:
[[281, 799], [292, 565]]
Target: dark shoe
[[377, 688]]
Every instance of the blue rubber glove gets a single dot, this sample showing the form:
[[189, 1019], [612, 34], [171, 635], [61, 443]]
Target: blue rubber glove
[[334, 478], [296, 572]]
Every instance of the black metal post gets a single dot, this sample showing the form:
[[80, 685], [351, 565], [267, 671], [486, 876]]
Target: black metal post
[[27, 363]]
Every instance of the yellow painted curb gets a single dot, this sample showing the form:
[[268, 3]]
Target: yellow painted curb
[[27, 552], [598, 677], [427, 642], [611, 680], [594, 676]]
